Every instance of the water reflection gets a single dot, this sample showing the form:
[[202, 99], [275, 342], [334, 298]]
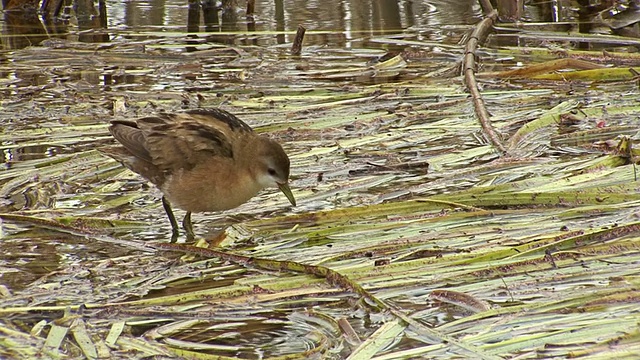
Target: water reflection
[[350, 20], [343, 23], [25, 262], [90, 18], [26, 153], [21, 29]]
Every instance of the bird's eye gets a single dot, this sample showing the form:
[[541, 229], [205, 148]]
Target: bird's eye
[[271, 172]]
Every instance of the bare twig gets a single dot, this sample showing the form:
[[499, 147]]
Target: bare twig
[[296, 48], [251, 5], [469, 65]]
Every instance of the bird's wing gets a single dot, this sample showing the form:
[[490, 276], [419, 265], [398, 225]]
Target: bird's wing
[[177, 141], [219, 117], [131, 137]]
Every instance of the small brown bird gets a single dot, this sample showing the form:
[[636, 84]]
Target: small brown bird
[[201, 160]]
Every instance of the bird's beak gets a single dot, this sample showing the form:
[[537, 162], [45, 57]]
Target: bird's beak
[[284, 187]]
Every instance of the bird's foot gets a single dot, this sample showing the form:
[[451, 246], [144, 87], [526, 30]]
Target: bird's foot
[[174, 234], [188, 226]]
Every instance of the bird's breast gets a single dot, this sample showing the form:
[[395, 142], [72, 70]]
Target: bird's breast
[[210, 188]]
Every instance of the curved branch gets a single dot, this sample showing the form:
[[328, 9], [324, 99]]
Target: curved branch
[[478, 36]]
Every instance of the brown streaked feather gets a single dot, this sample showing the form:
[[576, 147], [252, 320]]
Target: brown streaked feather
[[181, 141], [228, 118], [131, 137], [135, 164], [176, 141]]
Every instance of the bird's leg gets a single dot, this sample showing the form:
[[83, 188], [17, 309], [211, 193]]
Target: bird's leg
[[188, 226], [172, 219]]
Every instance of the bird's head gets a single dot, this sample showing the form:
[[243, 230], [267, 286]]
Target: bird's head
[[272, 167]]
